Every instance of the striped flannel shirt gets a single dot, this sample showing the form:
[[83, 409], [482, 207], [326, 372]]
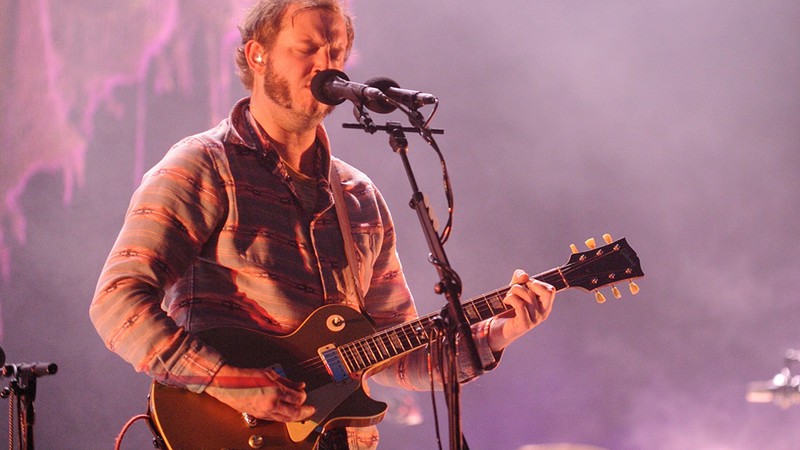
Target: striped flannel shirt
[[216, 236]]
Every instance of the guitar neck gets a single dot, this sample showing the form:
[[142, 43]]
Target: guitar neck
[[372, 350], [588, 270], [491, 304]]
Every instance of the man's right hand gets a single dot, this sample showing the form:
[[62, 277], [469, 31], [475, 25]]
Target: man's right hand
[[261, 393]]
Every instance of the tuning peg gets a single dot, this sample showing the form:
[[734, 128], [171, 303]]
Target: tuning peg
[[616, 292], [599, 297], [591, 243], [573, 248], [633, 287], [607, 238]]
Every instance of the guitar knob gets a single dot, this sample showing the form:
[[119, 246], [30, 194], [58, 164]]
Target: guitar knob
[[251, 421], [571, 247], [607, 238], [591, 243], [256, 441], [616, 292], [633, 287]]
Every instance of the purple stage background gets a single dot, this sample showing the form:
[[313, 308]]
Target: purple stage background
[[674, 123]]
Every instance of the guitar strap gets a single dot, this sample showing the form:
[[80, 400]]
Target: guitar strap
[[352, 282]]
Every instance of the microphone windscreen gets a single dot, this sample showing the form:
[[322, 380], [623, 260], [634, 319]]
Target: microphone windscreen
[[319, 83], [382, 84]]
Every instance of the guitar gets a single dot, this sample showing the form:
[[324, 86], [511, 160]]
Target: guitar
[[332, 351]]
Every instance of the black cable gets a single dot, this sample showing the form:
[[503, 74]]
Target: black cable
[[421, 124], [435, 347]]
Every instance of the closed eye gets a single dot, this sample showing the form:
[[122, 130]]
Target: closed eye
[[307, 50]]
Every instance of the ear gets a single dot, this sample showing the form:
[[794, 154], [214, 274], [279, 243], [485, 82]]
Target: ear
[[256, 57]]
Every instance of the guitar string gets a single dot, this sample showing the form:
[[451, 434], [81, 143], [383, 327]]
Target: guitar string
[[482, 305], [382, 337]]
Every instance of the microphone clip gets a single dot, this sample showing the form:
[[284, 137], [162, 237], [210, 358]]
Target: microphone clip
[[365, 122]]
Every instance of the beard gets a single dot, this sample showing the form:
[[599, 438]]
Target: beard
[[276, 87]]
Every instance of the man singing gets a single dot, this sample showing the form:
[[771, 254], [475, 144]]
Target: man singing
[[236, 227]]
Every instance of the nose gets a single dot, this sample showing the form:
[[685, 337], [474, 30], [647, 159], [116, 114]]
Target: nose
[[323, 59]]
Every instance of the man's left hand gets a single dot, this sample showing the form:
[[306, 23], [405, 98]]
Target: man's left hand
[[532, 301]]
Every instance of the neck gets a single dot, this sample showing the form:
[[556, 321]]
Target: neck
[[304, 161], [295, 144]]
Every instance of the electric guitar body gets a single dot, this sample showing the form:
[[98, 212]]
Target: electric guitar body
[[199, 421]]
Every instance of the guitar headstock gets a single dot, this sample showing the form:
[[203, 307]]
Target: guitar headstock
[[597, 267]]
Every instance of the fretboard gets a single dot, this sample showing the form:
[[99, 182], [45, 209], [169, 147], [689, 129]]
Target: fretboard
[[369, 351]]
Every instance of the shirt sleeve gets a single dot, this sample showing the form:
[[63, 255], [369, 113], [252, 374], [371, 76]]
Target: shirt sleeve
[[388, 286], [171, 215]]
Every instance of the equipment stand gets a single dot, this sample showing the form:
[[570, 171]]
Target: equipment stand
[[454, 319], [22, 392]]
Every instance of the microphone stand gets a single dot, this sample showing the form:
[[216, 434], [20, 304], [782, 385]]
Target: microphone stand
[[22, 390], [453, 317]]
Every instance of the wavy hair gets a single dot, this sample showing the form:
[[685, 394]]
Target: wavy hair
[[262, 23]]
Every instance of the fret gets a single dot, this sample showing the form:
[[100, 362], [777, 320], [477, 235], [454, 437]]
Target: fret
[[394, 338], [371, 347], [429, 323], [402, 338], [407, 344], [480, 308], [473, 315], [471, 312], [414, 335], [389, 351], [420, 333], [384, 337], [485, 308], [347, 351], [364, 351], [425, 324], [358, 355], [376, 344], [351, 356], [360, 347], [359, 344], [489, 304], [554, 277], [348, 362], [421, 330], [496, 304], [417, 332]]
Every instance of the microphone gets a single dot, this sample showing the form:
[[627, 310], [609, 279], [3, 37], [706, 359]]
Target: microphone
[[332, 87], [35, 369], [406, 97]]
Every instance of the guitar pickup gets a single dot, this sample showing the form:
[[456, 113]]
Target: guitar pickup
[[333, 363]]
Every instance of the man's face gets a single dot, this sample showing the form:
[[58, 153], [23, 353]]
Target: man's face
[[309, 41]]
